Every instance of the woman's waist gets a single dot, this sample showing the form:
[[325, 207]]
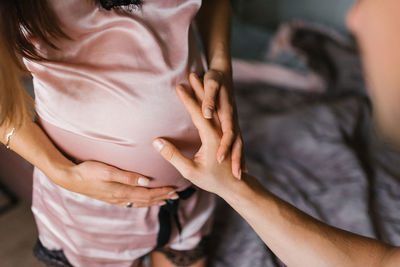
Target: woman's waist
[[139, 157]]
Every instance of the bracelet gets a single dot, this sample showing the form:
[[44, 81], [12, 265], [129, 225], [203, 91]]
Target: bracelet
[[8, 138]]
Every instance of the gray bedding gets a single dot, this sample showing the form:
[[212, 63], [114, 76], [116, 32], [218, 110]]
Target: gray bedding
[[318, 151]]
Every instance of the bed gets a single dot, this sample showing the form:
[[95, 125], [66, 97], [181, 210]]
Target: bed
[[305, 116], [313, 145]]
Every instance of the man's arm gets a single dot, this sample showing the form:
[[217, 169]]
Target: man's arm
[[296, 238], [300, 240]]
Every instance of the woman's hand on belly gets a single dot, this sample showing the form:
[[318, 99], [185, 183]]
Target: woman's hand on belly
[[109, 184]]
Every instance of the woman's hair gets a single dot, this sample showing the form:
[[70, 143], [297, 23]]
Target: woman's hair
[[22, 21], [15, 103]]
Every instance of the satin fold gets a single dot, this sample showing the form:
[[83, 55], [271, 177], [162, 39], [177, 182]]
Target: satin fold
[[104, 95]]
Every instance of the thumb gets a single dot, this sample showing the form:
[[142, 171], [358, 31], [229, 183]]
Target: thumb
[[173, 156]]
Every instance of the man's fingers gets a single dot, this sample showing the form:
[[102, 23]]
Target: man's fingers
[[173, 155], [193, 108]]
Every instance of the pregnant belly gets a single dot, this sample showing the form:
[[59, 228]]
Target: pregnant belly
[[139, 157]]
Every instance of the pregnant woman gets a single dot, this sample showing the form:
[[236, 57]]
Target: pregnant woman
[[104, 75]]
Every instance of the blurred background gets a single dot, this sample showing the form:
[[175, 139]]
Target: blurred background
[[270, 13], [305, 116]]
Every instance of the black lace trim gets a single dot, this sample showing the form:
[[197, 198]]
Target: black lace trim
[[109, 4], [186, 257], [52, 258]]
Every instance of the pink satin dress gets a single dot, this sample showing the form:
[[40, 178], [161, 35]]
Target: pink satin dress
[[104, 95]]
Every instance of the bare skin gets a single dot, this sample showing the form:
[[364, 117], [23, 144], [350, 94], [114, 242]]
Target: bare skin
[[214, 23], [119, 187], [376, 24], [115, 186], [295, 237], [94, 179]]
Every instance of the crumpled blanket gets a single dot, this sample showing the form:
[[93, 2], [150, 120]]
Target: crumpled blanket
[[316, 149]]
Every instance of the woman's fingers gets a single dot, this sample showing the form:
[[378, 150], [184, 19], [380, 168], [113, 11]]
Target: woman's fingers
[[174, 156], [228, 138], [197, 86], [152, 194], [226, 115], [115, 186], [138, 195], [212, 84], [237, 155], [144, 205], [128, 178]]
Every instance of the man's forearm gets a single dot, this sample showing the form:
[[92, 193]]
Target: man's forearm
[[296, 238], [31, 143], [214, 23]]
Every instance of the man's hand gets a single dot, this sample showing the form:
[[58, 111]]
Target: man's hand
[[203, 170]]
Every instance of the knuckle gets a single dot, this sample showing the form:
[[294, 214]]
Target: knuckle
[[212, 84], [229, 134], [117, 195], [109, 174], [187, 171], [168, 153], [151, 197], [148, 197], [113, 195], [115, 201], [123, 179]]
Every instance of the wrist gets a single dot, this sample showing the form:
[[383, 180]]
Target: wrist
[[245, 193], [60, 171], [220, 60], [236, 191], [222, 65]]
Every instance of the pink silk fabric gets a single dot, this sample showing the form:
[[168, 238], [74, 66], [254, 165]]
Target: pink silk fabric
[[104, 95]]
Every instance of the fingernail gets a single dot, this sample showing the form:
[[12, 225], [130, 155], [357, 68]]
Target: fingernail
[[158, 144], [143, 181], [239, 174], [208, 113], [162, 203], [171, 193], [174, 197], [221, 159]]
